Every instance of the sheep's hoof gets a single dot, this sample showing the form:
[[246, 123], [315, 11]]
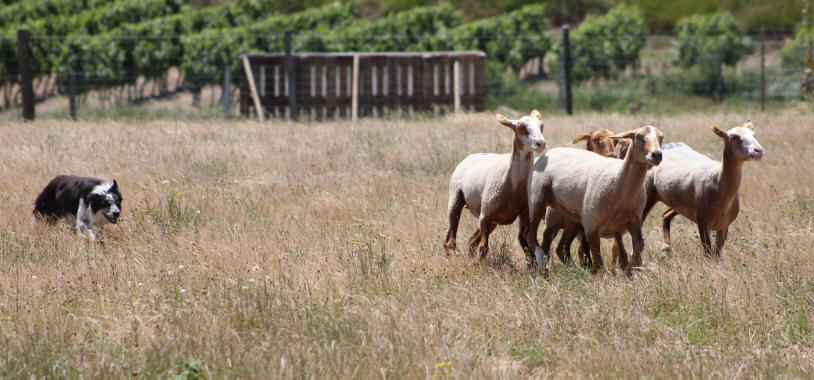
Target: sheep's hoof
[[543, 272], [472, 251]]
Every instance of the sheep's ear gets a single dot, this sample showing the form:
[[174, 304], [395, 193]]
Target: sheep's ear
[[623, 143], [582, 137], [719, 132], [748, 125], [509, 123], [535, 113], [624, 135], [115, 186]]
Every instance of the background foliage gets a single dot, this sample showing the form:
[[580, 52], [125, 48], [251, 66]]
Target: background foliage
[[699, 38], [116, 43], [601, 46]]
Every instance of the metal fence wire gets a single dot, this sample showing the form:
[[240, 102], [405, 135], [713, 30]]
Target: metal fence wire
[[101, 73]]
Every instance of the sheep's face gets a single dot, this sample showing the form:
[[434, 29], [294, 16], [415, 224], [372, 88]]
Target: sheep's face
[[528, 131], [741, 142], [645, 146], [599, 142]]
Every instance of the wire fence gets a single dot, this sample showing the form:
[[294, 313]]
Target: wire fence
[[133, 70]]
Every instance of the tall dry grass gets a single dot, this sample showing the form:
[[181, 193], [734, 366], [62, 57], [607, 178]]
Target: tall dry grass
[[286, 249]]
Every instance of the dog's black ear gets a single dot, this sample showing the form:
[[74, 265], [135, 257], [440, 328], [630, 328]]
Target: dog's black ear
[[115, 186], [95, 202]]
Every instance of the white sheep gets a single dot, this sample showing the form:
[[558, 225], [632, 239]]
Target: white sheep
[[603, 194], [701, 189], [598, 141], [493, 186]]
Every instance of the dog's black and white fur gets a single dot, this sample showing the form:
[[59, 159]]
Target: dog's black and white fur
[[80, 200]]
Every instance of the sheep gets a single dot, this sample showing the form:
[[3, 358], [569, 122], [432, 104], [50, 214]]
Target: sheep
[[600, 142], [493, 186], [701, 189], [605, 195]]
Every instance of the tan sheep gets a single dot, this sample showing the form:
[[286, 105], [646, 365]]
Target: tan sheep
[[605, 195], [700, 189], [598, 141], [493, 186]]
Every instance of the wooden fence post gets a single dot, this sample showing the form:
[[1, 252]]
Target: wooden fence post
[[456, 85], [566, 57], [291, 73], [26, 77], [72, 91], [227, 90], [762, 69], [719, 80], [253, 89], [354, 100]]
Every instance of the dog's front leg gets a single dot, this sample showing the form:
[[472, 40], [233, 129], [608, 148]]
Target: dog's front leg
[[84, 221]]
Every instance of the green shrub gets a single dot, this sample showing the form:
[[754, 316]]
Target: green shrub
[[511, 39], [416, 29], [797, 50], [205, 54], [602, 46], [22, 11], [700, 37]]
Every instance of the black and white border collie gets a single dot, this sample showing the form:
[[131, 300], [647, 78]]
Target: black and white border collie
[[82, 201]]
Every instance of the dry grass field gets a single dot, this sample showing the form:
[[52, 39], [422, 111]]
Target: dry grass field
[[297, 250]]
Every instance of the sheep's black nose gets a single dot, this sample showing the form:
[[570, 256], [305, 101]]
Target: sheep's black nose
[[656, 156], [116, 214]]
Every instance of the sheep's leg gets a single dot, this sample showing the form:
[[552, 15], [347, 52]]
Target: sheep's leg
[[666, 218], [548, 236], [536, 214], [635, 229], [703, 233], [456, 205], [619, 252], [584, 249], [720, 239], [564, 246], [569, 233], [473, 242], [596, 254], [521, 235], [486, 227]]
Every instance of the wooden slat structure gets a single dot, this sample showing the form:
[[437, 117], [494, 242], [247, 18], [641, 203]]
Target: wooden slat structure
[[403, 82]]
